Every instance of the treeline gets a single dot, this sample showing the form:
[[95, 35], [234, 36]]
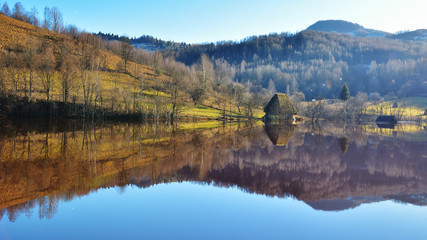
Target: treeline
[[146, 42], [81, 68], [316, 63]]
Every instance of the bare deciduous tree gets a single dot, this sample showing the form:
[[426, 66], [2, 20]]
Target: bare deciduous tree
[[68, 75], [5, 10], [29, 60], [314, 110], [46, 66], [176, 90], [19, 12], [57, 20], [3, 64], [47, 18], [126, 51]]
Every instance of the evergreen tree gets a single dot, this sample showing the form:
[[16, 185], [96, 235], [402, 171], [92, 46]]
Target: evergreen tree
[[345, 93]]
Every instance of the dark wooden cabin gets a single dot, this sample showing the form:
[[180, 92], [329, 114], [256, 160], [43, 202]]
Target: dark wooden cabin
[[390, 119], [395, 105], [280, 107], [386, 121]]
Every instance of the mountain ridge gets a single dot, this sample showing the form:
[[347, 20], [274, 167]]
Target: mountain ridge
[[357, 30], [341, 26]]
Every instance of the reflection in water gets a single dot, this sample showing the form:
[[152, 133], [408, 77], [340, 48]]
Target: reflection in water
[[41, 167], [280, 134], [344, 142], [386, 125]]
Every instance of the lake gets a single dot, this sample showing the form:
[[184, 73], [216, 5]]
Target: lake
[[212, 180]]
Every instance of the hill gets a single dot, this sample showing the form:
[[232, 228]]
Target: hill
[[76, 74], [317, 63], [16, 39], [340, 26], [417, 35]]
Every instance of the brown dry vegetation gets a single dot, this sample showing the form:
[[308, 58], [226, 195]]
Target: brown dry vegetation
[[81, 68], [113, 84], [312, 166]]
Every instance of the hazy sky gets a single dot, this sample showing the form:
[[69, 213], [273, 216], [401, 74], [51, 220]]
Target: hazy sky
[[197, 21]]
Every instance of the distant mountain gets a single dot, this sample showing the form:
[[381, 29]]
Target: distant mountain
[[417, 35], [340, 26]]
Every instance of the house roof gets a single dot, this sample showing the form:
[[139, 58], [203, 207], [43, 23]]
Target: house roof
[[284, 103]]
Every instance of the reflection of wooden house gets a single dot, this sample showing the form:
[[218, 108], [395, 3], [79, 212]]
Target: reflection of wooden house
[[344, 142], [386, 125], [279, 134], [279, 108], [386, 121]]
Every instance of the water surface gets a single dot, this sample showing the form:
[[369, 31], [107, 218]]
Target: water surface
[[73, 180]]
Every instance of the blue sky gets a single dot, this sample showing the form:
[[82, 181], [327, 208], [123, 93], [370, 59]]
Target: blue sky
[[197, 21]]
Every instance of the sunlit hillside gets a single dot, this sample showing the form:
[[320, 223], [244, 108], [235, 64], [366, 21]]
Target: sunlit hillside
[[81, 68], [18, 37]]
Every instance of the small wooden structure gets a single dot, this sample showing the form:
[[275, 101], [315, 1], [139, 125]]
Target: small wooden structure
[[425, 112], [386, 121], [390, 119], [395, 105], [279, 108]]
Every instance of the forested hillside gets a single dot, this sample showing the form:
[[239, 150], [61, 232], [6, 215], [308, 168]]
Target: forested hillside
[[48, 66], [317, 63]]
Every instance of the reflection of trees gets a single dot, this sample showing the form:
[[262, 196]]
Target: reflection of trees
[[48, 206], [310, 166], [2, 211], [344, 142]]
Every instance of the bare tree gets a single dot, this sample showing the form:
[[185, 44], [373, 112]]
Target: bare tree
[[205, 70], [201, 78], [16, 72], [157, 60], [222, 85], [5, 10], [126, 51], [177, 90], [57, 20], [19, 12], [33, 17], [68, 75], [195, 90], [239, 91], [297, 98], [314, 110], [3, 64], [250, 102], [272, 87], [47, 18], [46, 66], [29, 59]]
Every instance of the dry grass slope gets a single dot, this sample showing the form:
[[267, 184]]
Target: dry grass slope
[[116, 88]]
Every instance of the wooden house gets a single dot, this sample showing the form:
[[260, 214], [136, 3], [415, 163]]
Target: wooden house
[[280, 107]]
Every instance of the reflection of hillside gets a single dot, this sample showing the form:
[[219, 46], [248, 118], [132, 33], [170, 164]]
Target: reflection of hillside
[[311, 167]]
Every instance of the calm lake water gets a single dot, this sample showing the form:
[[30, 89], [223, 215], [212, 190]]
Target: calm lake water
[[74, 180]]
